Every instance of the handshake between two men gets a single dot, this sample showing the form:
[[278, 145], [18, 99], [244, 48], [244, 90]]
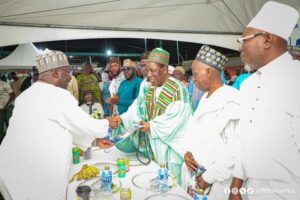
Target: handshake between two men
[[114, 122]]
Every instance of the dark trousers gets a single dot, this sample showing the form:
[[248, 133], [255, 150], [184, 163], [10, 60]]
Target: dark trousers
[[4, 120]]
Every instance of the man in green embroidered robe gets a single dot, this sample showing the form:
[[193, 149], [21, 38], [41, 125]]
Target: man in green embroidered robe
[[168, 109], [163, 109]]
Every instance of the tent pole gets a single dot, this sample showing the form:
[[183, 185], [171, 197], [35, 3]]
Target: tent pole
[[145, 41], [177, 47]]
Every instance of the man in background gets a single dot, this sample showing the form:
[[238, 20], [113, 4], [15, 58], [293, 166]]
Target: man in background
[[129, 88]]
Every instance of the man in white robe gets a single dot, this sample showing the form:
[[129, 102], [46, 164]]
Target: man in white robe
[[269, 164], [118, 78], [36, 154], [210, 140]]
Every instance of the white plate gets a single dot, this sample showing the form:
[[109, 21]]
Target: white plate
[[101, 165], [133, 161], [142, 181], [167, 196], [95, 184]]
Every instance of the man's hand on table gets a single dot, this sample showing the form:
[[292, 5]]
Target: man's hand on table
[[104, 143]]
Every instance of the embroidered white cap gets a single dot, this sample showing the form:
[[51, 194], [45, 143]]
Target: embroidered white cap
[[51, 60], [276, 18]]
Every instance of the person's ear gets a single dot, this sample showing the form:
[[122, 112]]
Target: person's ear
[[268, 40], [165, 69], [209, 72], [55, 73]]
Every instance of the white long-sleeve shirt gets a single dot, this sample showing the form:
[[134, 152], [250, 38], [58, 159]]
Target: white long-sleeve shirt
[[270, 131], [36, 153], [212, 139]]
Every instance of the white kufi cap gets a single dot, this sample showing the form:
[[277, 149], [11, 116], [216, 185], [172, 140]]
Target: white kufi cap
[[276, 18], [171, 69]]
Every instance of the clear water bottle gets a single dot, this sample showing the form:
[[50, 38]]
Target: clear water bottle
[[106, 177], [163, 178], [108, 137], [199, 195]]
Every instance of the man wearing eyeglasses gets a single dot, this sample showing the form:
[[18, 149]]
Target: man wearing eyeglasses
[[268, 166], [129, 88]]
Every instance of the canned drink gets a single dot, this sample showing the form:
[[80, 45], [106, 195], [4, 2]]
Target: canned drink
[[126, 164], [88, 154], [125, 194], [76, 155], [121, 167]]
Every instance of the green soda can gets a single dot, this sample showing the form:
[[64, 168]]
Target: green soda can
[[121, 167], [76, 155]]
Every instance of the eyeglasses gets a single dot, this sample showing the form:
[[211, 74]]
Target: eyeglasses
[[125, 69], [248, 37]]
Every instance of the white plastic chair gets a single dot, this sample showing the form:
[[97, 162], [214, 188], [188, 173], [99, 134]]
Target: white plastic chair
[[4, 191]]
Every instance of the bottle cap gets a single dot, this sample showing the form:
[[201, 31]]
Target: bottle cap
[[200, 191]]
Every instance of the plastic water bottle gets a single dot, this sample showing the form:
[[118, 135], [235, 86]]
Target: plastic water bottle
[[106, 179], [163, 178], [108, 136], [199, 195]]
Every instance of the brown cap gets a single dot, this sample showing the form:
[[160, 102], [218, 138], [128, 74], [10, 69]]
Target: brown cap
[[115, 60]]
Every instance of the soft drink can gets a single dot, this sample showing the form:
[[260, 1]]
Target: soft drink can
[[125, 194], [121, 167], [76, 155], [126, 164], [88, 154]]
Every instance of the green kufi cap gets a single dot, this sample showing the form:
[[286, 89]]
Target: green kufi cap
[[159, 55]]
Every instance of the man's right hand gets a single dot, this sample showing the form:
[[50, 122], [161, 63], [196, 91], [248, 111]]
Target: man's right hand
[[190, 162], [113, 122], [104, 143]]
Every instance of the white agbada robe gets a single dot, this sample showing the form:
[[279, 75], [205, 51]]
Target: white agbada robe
[[36, 153], [212, 139], [270, 131], [114, 88]]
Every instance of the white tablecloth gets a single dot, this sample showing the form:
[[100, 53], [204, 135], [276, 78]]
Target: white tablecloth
[[137, 193]]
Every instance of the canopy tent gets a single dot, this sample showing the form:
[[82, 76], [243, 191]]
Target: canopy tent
[[215, 22], [22, 57]]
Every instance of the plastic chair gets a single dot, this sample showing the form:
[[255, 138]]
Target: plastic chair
[[4, 191]]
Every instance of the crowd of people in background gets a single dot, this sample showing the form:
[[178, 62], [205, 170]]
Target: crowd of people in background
[[126, 74]]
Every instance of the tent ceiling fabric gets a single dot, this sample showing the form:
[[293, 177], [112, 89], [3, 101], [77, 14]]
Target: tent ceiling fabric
[[217, 22]]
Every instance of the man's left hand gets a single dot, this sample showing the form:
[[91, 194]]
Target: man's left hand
[[104, 143], [115, 99], [202, 183]]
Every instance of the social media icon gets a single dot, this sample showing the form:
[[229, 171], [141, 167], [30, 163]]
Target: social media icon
[[250, 190], [235, 190], [227, 190], [243, 190]]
